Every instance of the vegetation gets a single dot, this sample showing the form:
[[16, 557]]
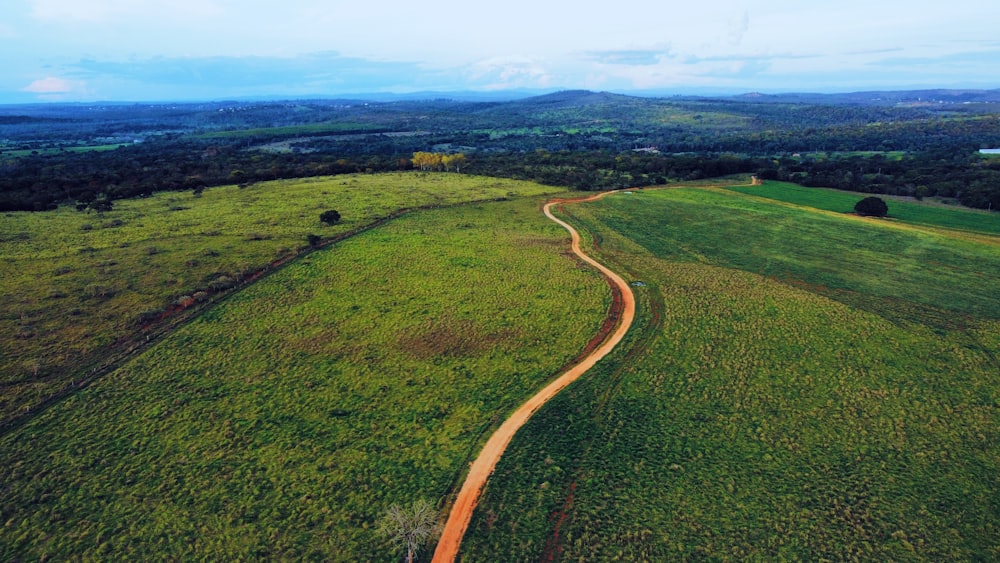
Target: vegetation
[[799, 385], [283, 422], [871, 206], [583, 140], [330, 217], [910, 212], [82, 287], [802, 384], [410, 526]]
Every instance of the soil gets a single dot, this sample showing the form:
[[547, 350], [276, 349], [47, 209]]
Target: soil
[[622, 313]]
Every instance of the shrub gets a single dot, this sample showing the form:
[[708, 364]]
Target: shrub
[[871, 207], [329, 217]]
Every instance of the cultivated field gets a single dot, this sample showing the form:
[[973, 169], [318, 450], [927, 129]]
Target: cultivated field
[[799, 385], [282, 422], [79, 288]]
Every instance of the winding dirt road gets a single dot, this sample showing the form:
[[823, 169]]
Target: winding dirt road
[[482, 467]]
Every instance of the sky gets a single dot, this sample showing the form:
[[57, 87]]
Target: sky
[[174, 50]]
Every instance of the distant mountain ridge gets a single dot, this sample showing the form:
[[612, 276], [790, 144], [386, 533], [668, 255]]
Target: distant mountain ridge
[[584, 98], [883, 97]]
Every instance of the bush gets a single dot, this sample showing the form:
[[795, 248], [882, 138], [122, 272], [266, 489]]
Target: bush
[[329, 217], [871, 207]]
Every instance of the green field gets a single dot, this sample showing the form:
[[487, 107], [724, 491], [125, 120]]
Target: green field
[[292, 131], [27, 152], [907, 211], [281, 423], [76, 283], [798, 386]]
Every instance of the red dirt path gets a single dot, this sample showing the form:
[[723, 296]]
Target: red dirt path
[[483, 465]]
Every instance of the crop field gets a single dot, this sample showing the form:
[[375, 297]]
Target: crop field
[[798, 386], [910, 212], [282, 422], [75, 284]]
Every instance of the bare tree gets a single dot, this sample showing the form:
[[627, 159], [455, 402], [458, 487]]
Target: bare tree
[[410, 526]]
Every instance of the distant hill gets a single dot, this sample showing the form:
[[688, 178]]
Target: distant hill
[[878, 98], [575, 98]]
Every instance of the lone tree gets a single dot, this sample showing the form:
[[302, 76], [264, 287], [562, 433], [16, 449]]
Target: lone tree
[[329, 217], [871, 207], [409, 526]]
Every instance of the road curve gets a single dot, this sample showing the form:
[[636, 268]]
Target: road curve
[[485, 463]]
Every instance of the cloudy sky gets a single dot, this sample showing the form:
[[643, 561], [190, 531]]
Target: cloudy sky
[[139, 50]]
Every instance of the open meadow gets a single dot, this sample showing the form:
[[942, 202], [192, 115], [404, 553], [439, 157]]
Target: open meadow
[[799, 385], [283, 421], [911, 213], [80, 288]]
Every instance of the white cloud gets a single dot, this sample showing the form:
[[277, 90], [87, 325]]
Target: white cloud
[[501, 73], [54, 89], [50, 85]]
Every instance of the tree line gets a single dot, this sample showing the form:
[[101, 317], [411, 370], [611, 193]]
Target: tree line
[[577, 139]]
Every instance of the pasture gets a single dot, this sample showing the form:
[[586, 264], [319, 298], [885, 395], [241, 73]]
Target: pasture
[[282, 422], [78, 287], [911, 212], [799, 386]]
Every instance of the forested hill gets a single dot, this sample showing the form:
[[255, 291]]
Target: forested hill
[[912, 143]]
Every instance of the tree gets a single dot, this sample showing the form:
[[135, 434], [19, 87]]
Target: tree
[[871, 207], [330, 217], [426, 160], [410, 526], [453, 161], [101, 205]]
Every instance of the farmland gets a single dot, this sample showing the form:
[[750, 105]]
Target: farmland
[[905, 211], [76, 285], [800, 385], [284, 420]]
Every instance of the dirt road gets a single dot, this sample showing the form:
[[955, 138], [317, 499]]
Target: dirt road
[[482, 467]]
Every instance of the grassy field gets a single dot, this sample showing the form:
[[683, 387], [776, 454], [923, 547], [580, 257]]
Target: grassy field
[[909, 212], [27, 152], [75, 284], [799, 386], [282, 423], [291, 131]]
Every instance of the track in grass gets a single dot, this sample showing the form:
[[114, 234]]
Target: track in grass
[[483, 465]]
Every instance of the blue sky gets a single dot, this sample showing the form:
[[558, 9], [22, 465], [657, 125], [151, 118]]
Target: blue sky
[[151, 50]]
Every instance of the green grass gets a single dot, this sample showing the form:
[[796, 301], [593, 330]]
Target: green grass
[[907, 211], [283, 422], [75, 283], [750, 416]]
